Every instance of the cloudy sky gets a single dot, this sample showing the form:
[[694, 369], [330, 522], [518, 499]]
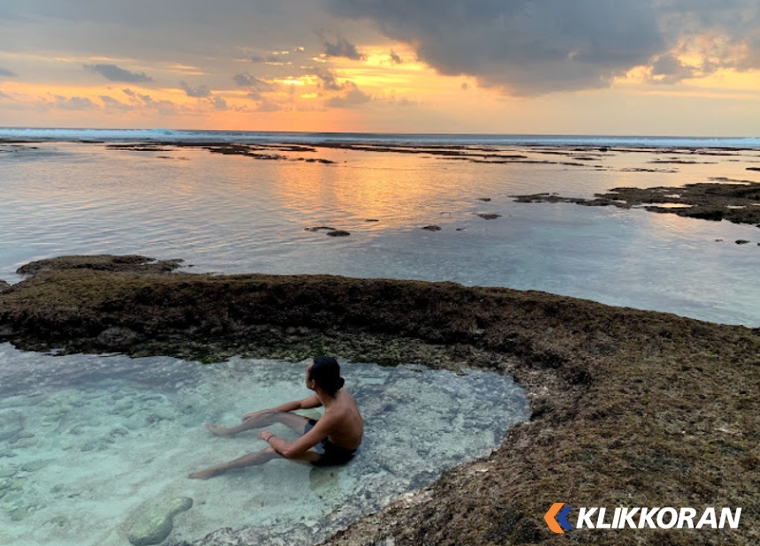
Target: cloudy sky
[[657, 67]]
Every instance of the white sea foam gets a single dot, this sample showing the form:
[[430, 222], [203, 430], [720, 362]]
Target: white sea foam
[[130, 135]]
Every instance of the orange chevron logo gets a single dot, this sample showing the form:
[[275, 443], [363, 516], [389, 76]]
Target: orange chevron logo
[[556, 518]]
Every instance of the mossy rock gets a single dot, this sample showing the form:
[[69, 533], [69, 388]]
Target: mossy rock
[[154, 524]]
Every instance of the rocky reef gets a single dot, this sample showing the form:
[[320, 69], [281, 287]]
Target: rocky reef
[[629, 408], [737, 201]]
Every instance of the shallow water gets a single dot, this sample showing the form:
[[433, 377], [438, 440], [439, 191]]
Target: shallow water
[[232, 214], [85, 441]]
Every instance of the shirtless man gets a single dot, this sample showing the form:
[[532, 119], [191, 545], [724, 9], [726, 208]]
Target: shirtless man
[[331, 440]]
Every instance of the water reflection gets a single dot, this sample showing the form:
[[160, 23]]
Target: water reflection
[[235, 214]]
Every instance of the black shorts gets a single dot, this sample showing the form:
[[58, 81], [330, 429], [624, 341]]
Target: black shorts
[[330, 454]]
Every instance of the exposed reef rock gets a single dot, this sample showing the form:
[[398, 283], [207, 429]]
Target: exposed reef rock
[[4, 286], [629, 408], [432, 228], [102, 262], [735, 202], [152, 525], [319, 228]]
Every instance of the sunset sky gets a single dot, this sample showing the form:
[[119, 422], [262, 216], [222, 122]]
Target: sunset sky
[[627, 67]]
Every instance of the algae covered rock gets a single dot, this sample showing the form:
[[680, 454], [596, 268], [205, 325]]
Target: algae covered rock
[[154, 523], [11, 424]]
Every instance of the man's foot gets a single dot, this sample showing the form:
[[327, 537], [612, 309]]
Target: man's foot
[[219, 431], [202, 474]]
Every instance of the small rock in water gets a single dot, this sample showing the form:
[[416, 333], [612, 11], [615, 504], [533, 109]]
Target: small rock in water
[[371, 220], [153, 525], [432, 228], [59, 521], [486, 199], [34, 466], [20, 513], [742, 242], [11, 424], [489, 216], [319, 228], [338, 233]]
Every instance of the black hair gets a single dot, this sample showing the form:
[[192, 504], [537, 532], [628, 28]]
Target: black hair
[[326, 373]]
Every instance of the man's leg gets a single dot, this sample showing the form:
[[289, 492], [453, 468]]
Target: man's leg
[[252, 459], [296, 422]]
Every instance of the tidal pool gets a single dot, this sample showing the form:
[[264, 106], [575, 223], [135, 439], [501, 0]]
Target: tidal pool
[[87, 442]]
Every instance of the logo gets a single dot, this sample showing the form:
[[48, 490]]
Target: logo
[[556, 518], [640, 518]]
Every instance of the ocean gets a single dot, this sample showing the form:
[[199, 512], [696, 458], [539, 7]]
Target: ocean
[[66, 191]]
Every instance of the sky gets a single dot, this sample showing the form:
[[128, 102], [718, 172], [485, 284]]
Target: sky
[[608, 67]]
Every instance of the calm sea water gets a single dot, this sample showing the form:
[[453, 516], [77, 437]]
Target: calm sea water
[[234, 214]]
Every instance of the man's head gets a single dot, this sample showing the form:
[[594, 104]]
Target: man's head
[[324, 372]]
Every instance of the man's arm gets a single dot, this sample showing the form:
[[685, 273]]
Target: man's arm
[[289, 450], [306, 403]]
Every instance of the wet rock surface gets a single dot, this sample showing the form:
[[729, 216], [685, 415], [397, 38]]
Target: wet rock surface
[[629, 408], [11, 424], [723, 199], [153, 524]]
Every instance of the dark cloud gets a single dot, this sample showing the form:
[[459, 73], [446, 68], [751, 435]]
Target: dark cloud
[[396, 58], [246, 80], [353, 97], [163, 107], [7, 73], [219, 103], [528, 47], [112, 103], [328, 80], [116, 74], [268, 106], [727, 32], [73, 103], [342, 48], [669, 70], [199, 92]]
